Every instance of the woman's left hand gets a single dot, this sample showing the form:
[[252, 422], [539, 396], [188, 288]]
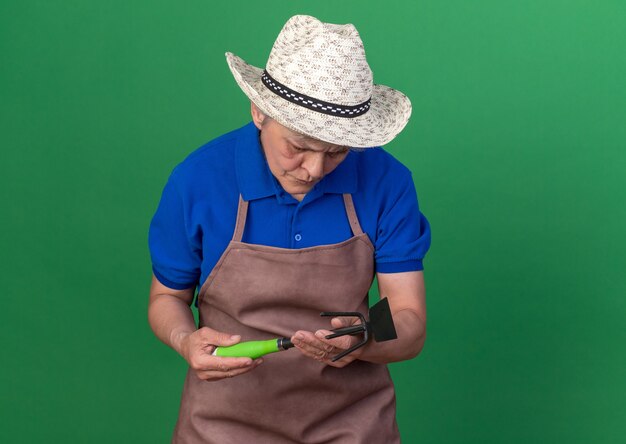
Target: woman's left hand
[[316, 346]]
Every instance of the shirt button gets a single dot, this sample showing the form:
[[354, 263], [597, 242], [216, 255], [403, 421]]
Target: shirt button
[[298, 237]]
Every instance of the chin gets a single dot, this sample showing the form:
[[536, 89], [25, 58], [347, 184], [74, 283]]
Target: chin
[[299, 189]]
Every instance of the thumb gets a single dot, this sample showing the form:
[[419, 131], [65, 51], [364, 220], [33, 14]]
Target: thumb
[[343, 322], [219, 338], [225, 339]]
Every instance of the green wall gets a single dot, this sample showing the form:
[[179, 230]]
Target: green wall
[[517, 144]]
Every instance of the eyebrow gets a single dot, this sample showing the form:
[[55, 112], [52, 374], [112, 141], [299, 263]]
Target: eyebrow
[[299, 138]]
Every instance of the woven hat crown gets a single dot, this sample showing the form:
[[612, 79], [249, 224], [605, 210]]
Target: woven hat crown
[[317, 82], [321, 60]]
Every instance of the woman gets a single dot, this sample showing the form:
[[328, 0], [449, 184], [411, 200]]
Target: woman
[[291, 215]]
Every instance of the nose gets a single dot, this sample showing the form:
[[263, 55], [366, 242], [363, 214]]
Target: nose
[[315, 165]]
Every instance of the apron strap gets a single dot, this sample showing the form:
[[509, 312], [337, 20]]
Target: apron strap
[[242, 213], [352, 217]]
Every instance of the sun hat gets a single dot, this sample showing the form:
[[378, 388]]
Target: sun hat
[[317, 82]]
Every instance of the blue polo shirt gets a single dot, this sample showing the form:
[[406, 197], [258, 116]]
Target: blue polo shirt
[[195, 219]]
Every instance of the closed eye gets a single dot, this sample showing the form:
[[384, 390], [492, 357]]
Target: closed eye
[[297, 148], [336, 153], [331, 154]]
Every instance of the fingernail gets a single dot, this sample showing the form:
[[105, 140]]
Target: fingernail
[[319, 334], [234, 337], [259, 361], [299, 336]]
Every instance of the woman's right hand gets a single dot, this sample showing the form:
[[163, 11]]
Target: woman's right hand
[[197, 349]]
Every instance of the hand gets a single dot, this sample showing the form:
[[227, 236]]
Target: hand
[[316, 346], [197, 347]]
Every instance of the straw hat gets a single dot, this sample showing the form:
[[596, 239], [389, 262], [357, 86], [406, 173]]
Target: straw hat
[[317, 82]]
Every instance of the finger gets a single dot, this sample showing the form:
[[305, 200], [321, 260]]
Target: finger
[[344, 321], [222, 364], [340, 363], [309, 341], [225, 364], [212, 375], [340, 322], [339, 345], [218, 338], [342, 342], [311, 346]]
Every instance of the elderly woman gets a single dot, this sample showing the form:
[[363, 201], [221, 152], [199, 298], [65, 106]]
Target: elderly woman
[[288, 216]]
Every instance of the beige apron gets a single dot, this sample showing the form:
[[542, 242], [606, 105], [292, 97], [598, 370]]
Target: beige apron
[[263, 292]]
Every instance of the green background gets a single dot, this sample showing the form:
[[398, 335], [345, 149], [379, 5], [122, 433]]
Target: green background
[[517, 145]]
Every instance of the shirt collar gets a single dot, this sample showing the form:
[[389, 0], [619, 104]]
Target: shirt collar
[[255, 177]]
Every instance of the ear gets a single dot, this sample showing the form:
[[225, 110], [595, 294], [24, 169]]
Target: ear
[[257, 115]]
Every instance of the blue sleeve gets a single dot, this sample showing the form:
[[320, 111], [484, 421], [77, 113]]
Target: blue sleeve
[[403, 234], [175, 251]]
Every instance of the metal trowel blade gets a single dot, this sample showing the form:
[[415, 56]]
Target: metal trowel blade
[[381, 322]]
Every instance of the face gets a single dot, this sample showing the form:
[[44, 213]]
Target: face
[[298, 162]]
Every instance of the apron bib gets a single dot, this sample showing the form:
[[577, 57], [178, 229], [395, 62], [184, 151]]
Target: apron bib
[[262, 292]]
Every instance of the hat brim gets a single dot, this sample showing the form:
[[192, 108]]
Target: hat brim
[[388, 114]]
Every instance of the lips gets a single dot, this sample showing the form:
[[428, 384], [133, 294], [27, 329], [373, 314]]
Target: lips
[[303, 182]]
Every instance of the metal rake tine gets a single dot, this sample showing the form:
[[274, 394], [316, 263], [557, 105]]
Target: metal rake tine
[[352, 330]]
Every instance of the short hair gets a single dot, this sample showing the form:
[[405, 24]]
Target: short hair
[[304, 137], [266, 119]]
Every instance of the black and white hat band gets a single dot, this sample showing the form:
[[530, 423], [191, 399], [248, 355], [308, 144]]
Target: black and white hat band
[[326, 61], [311, 102]]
